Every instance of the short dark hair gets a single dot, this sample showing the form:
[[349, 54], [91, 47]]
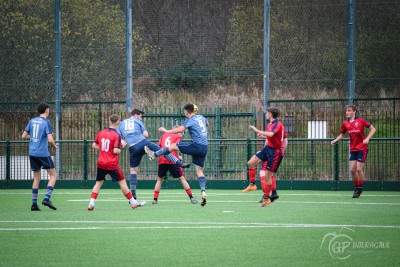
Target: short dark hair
[[114, 118], [354, 108], [274, 111], [41, 108], [189, 108], [137, 112]]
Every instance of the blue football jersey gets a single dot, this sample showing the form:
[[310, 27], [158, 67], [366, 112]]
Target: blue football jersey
[[132, 130], [38, 129], [197, 126]]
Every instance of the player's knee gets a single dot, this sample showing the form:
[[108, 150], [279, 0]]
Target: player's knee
[[359, 171]]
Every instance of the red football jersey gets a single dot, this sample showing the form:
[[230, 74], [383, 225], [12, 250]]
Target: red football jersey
[[277, 127], [356, 133], [108, 139], [165, 141], [282, 147]]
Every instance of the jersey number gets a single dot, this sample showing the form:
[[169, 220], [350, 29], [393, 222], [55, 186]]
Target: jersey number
[[167, 142], [203, 128], [129, 125], [35, 131], [105, 145]]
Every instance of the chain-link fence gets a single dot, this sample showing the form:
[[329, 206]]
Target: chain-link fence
[[210, 52]]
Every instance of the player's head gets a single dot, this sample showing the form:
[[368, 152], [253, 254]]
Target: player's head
[[114, 120], [190, 109], [351, 111], [273, 111], [42, 107], [137, 113]]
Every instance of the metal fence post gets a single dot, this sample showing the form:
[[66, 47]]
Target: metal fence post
[[8, 161], [218, 135], [85, 160], [248, 156], [336, 162]]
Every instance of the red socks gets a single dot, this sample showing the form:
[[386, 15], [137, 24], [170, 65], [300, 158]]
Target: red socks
[[273, 187], [263, 184], [94, 195], [358, 183], [156, 193], [252, 175], [189, 192], [129, 195], [267, 190]]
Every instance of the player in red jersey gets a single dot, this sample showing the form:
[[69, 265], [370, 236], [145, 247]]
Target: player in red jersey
[[252, 185], [354, 126], [272, 152], [274, 194], [164, 165], [108, 141]]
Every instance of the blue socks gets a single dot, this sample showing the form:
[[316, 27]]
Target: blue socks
[[202, 183], [133, 179], [163, 151], [35, 192], [174, 159], [49, 191]]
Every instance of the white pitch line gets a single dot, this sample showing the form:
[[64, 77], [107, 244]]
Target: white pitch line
[[50, 229], [199, 224], [248, 201], [244, 226]]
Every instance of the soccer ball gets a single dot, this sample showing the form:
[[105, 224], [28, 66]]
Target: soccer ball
[[196, 109]]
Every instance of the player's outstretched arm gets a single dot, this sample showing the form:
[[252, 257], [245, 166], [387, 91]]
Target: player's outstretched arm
[[259, 132], [176, 130], [340, 137]]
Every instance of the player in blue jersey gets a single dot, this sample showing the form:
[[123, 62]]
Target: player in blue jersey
[[40, 133], [197, 126], [135, 135]]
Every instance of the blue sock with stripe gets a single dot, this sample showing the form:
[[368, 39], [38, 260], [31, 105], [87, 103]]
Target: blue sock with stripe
[[49, 191], [35, 192], [202, 183], [172, 158], [163, 151], [133, 180]]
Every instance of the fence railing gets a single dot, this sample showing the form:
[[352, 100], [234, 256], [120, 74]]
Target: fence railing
[[82, 120], [305, 159]]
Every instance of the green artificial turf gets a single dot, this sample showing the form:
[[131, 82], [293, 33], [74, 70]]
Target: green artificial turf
[[302, 228]]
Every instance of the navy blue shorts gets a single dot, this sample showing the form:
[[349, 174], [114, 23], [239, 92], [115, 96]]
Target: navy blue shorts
[[360, 156], [273, 156], [173, 169], [136, 152], [198, 152], [38, 163], [116, 175]]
